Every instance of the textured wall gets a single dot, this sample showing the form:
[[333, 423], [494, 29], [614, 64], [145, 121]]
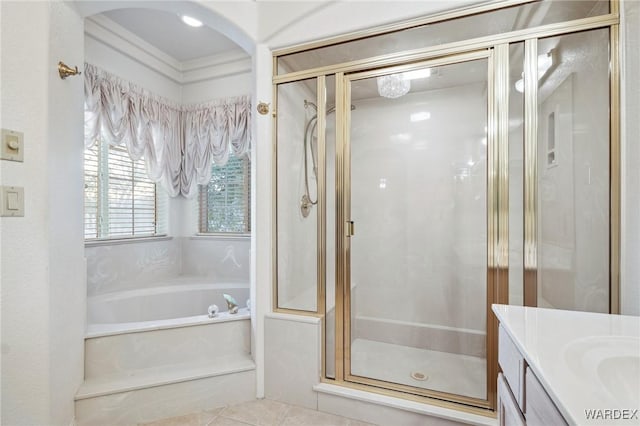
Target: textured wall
[[25, 283], [67, 275], [42, 278]]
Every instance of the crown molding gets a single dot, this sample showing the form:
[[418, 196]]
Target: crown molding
[[113, 35]]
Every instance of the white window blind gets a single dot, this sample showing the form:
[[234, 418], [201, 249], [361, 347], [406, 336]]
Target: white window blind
[[120, 200], [224, 204]]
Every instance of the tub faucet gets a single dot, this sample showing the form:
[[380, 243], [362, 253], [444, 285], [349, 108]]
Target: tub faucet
[[232, 305], [213, 311]]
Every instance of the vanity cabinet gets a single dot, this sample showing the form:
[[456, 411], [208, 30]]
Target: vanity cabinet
[[522, 400]]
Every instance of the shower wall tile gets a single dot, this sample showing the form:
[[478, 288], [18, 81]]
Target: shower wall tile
[[292, 360], [458, 341], [297, 235], [418, 202]]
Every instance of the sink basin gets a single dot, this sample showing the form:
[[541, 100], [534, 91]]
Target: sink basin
[[620, 376], [610, 362]]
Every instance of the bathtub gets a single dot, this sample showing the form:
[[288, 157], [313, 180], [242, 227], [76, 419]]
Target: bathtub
[[164, 306]]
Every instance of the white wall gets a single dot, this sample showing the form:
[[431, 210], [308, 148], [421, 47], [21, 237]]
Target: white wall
[[67, 272], [283, 23], [219, 88], [630, 273], [105, 57], [25, 242], [42, 279]]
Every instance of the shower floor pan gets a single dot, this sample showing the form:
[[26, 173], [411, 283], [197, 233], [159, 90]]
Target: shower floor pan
[[441, 371]]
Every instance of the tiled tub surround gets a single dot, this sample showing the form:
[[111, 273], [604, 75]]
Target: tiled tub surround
[[151, 350], [136, 265]]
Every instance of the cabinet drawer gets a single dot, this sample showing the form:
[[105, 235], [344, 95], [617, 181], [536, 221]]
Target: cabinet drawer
[[512, 365], [508, 412], [540, 409]]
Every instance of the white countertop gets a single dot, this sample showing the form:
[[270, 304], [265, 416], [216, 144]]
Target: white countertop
[[585, 361]]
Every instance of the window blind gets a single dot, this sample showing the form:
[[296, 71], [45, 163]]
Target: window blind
[[224, 203], [120, 199]]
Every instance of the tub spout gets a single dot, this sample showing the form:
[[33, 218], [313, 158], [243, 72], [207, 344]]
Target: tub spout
[[232, 305]]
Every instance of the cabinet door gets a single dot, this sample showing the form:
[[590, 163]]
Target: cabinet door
[[508, 412], [541, 411], [512, 364]]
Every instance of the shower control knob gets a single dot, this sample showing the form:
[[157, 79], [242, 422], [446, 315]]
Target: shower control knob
[[213, 311]]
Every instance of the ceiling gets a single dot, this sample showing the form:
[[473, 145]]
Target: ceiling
[[167, 32]]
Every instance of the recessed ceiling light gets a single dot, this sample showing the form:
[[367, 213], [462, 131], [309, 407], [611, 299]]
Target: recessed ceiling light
[[192, 22]]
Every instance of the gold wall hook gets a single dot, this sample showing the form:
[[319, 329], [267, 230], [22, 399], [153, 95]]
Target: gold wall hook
[[263, 108], [65, 71]]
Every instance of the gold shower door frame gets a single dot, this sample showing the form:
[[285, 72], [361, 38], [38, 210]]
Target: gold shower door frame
[[343, 266], [496, 49]]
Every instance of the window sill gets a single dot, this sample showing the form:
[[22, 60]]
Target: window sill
[[134, 240], [220, 237]]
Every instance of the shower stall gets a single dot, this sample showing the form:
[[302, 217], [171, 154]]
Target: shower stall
[[428, 171]]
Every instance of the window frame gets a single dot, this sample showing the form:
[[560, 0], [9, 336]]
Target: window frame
[[102, 213], [203, 196]]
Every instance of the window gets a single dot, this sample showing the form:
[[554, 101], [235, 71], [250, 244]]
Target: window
[[225, 201], [120, 201]]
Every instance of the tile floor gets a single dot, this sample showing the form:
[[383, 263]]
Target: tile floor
[[262, 412]]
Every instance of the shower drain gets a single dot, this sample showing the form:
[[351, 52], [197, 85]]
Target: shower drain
[[417, 375]]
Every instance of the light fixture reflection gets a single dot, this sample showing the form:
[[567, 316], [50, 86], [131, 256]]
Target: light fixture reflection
[[544, 63], [192, 22], [420, 116], [414, 75], [395, 85]]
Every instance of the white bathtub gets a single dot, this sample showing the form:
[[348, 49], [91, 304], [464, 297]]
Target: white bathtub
[[160, 307]]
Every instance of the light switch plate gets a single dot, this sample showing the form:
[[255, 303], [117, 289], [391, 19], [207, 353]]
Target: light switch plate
[[11, 201], [12, 145]]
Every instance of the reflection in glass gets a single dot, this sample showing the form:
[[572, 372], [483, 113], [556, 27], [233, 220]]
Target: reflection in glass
[[330, 317], [297, 196], [516, 174], [483, 24], [573, 173], [419, 254]]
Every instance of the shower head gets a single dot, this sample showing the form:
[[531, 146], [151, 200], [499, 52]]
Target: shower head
[[307, 104]]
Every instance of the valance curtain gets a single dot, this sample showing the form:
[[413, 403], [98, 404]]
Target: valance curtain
[[178, 142]]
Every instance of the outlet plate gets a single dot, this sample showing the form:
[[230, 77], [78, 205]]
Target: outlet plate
[[12, 147]]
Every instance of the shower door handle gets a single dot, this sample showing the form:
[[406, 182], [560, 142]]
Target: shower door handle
[[350, 228]]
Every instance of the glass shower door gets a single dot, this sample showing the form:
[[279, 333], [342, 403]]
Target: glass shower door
[[416, 209]]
